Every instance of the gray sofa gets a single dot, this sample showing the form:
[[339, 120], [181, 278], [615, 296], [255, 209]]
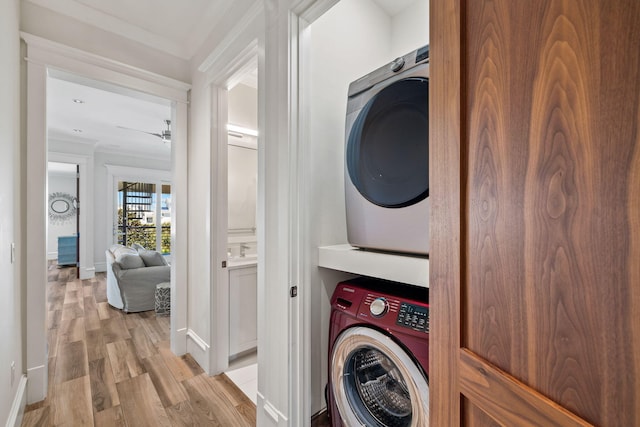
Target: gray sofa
[[132, 276]]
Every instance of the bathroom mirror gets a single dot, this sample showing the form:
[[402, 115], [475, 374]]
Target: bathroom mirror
[[242, 181]]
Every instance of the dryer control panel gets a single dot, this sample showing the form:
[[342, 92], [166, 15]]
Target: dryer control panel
[[414, 317]]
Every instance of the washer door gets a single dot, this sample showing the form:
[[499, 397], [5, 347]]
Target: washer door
[[387, 153], [375, 383]]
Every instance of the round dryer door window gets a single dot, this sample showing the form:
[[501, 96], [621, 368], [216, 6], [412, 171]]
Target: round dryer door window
[[375, 382], [387, 152]]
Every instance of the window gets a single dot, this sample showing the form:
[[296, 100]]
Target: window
[[139, 205]]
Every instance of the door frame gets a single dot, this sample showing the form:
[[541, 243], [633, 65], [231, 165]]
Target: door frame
[[44, 56], [219, 79], [85, 165]]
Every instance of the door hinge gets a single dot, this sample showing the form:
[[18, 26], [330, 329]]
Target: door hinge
[[224, 264], [293, 291]]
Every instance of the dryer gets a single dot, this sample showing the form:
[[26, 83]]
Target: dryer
[[378, 355], [387, 157]]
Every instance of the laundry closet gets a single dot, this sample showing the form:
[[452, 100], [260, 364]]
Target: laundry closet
[[349, 41]]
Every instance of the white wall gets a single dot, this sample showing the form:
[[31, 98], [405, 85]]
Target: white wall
[[352, 39], [60, 184], [243, 106], [12, 332], [410, 28], [63, 29]]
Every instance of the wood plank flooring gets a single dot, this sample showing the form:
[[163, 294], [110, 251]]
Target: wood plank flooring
[[108, 368]]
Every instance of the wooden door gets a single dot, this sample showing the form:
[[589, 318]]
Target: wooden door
[[535, 223]]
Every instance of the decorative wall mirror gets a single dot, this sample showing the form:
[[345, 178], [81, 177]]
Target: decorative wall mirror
[[62, 207]]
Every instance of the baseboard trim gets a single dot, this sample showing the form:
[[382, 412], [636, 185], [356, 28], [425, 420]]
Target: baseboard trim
[[274, 416], [36, 384], [196, 339], [100, 266], [199, 349], [19, 403], [87, 273], [179, 342]]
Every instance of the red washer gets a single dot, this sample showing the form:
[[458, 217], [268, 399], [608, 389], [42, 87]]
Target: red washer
[[378, 354]]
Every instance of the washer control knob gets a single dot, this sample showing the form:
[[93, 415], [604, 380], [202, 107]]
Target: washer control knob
[[379, 307], [397, 64]]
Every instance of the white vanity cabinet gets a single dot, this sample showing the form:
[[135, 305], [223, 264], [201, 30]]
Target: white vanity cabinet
[[243, 308]]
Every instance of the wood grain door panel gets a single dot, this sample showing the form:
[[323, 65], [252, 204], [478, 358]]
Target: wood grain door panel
[[519, 405], [535, 250]]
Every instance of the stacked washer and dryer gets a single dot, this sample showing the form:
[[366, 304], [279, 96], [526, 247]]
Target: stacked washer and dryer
[[379, 330]]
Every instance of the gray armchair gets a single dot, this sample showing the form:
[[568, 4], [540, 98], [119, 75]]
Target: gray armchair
[[132, 277]]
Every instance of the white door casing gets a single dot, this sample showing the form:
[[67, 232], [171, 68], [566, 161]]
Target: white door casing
[[85, 163], [44, 55]]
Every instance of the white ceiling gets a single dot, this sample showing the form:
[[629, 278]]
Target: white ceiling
[[176, 27], [97, 118]]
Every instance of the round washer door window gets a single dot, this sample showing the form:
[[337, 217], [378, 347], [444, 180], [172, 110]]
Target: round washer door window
[[387, 152], [375, 382]]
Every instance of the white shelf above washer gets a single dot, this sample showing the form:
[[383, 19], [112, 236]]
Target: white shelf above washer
[[409, 269]]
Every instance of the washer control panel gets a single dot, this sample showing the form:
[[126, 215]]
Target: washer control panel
[[379, 307], [397, 64], [414, 317], [388, 312]]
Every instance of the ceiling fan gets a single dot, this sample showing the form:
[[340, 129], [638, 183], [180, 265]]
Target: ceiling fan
[[165, 135]]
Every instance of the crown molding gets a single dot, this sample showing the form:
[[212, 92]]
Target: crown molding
[[217, 11], [109, 23], [58, 55], [240, 29]]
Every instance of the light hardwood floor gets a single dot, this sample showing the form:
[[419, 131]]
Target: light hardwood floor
[[108, 368]]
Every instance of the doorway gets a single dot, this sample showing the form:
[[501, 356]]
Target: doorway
[[42, 65], [64, 216], [242, 243], [236, 259]]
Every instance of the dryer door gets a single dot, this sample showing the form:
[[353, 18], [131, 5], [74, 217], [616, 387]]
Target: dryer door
[[375, 382], [387, 153]]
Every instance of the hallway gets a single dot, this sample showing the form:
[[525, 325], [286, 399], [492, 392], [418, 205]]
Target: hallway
[[108, 368]]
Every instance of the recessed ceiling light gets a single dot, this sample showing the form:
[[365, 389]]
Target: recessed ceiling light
[[78, 101], [78, 130]]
